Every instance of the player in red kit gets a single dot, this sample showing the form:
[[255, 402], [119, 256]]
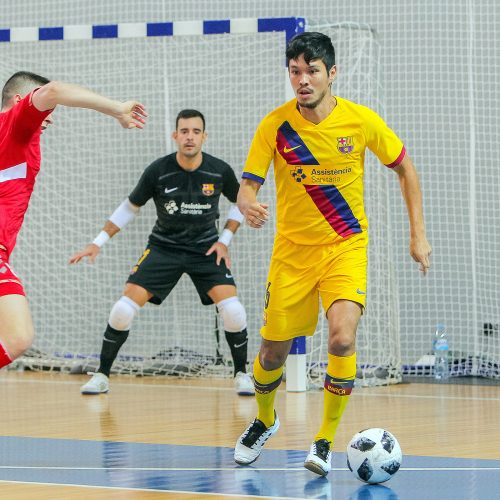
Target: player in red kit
[[28, 101]]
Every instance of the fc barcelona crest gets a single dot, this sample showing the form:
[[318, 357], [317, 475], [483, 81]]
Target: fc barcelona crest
[[207, 189], [345, 144]]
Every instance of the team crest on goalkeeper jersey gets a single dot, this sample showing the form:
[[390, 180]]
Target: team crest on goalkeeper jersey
[[345, 144], [208, 189]]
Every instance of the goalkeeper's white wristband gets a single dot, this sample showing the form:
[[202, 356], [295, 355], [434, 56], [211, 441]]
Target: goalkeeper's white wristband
[[226, 236], [120, 218], [101, 238]]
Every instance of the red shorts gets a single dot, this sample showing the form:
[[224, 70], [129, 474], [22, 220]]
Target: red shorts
[[10, 284]]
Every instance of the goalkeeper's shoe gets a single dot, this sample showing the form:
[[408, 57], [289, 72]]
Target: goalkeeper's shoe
[[243, 384], [99, 383]]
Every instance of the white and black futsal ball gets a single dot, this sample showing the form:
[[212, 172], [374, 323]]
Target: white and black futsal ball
[[374, 455]]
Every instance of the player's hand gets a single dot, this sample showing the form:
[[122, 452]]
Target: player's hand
[[91, 251], [421, 250], [222, 253], [256, 214], [132, 114]]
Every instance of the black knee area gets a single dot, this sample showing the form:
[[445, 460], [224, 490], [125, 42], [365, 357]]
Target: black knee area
[[238, 343], [111, 344], [118, 336]]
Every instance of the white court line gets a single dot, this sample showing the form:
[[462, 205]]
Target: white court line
[[449, 469], [123, 384], [218, 495], [233, 469], [420, 396], [358, 393]]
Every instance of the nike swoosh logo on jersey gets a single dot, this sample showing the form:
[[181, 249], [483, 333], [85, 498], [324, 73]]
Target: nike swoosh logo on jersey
[[170, 190], [287, 150]]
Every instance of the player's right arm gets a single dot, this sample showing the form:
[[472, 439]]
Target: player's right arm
[[130, 114], [256, 167], [255, 213], [124, 214]]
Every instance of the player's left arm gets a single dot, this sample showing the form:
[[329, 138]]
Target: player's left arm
[[420, 249]]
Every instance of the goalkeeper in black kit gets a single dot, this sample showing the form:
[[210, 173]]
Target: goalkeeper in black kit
[[186, 187]]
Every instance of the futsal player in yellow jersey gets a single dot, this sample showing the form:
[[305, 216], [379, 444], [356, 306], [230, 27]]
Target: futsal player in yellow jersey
[[317, 143]]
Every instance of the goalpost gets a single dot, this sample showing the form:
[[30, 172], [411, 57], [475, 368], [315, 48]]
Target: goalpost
[[233, 72]]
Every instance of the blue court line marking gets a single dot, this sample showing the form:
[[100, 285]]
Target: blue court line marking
[[205, 470]]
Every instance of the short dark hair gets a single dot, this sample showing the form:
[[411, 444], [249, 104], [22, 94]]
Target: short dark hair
[[312, 45], [189, 113], [22, 83]]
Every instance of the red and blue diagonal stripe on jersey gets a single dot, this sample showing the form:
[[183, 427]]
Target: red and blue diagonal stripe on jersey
[[292, 148], [334, 208]]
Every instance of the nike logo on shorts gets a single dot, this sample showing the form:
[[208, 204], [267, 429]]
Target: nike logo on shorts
[[170, 190], [228, 276], [360, 292]]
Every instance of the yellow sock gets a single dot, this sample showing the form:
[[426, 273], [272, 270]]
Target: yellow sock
[[339, 381], [266, 385]]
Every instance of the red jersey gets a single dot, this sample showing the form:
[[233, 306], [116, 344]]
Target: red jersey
[[20, 129]]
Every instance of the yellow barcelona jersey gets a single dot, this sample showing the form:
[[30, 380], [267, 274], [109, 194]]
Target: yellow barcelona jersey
[[318, 168]]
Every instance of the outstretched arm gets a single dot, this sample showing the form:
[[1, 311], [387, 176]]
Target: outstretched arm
[[118, 220], [130, 114], [420, 249]]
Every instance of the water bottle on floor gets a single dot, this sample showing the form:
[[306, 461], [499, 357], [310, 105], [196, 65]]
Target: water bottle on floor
[[440, 349]]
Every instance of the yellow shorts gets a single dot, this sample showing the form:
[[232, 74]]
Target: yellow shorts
[[300, 274]]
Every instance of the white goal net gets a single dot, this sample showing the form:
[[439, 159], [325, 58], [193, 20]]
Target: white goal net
[[90, 165]]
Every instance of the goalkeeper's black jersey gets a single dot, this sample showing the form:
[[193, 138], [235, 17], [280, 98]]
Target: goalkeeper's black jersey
[[187, 203]]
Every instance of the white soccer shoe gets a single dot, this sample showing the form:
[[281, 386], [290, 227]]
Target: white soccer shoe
[[319, 458], [98, 384], [250, 443], [243, 383]]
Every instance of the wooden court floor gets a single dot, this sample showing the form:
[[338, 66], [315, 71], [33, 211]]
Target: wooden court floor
[[459, 421]]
